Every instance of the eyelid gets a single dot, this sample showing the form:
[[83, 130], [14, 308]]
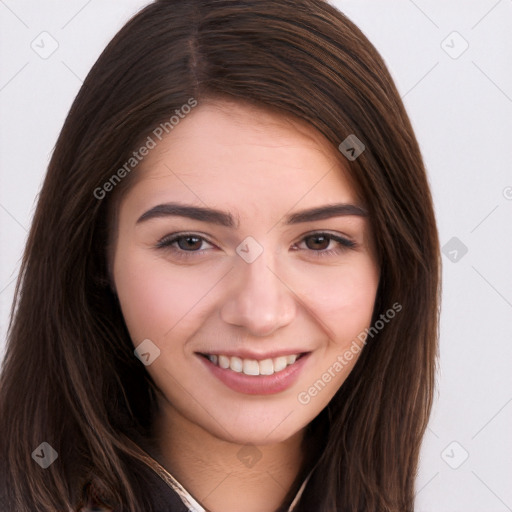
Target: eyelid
[[344, 243], [167, 240], [340, 237]]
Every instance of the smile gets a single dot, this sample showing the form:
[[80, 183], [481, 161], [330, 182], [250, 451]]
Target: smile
[[256, 376], [252, 366]]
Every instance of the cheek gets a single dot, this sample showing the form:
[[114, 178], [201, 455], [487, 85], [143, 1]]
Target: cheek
[[155, 296], [341, 297]]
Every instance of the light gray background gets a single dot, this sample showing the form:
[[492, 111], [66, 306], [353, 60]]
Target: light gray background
[[461, 108]]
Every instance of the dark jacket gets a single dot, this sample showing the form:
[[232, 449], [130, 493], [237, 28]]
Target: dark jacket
[[159, 490], [163, 497]]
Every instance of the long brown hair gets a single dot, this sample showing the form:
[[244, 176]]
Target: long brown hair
[[69, 377]]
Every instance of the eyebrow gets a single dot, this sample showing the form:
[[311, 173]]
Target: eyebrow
[[221, 218]]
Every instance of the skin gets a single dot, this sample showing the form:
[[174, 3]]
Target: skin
[[260, 167]]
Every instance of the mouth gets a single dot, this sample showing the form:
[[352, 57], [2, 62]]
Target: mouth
[[254, 367], [265, 375]]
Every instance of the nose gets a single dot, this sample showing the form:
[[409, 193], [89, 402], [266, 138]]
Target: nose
[[260, 301]]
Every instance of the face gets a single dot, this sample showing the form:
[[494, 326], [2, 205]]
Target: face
[[248, 291]]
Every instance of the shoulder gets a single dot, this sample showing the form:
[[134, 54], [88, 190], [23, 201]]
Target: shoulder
[[163, 497]]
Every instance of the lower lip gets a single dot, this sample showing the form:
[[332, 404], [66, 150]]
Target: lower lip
[[257, 384]]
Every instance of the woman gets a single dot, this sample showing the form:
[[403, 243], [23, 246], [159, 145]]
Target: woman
[[229, 295]]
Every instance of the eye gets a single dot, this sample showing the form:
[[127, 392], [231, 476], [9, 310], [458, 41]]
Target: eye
[[319, 244], [182, 243], [325, 244]]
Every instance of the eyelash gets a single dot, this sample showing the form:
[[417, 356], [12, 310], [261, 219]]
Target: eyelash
[[166, 242]]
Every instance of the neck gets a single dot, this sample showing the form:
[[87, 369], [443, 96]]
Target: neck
[[226, 476]]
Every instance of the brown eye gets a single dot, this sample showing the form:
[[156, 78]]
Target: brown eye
[[183, 243], [189, 243], [317, 242]]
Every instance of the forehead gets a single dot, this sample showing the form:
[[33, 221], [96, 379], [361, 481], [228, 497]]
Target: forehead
[[231, 154]]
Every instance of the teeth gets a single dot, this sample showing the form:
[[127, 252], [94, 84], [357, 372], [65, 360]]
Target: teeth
[[280, 363], [223, 361], [251, 366], [266, 367], [236, 364]]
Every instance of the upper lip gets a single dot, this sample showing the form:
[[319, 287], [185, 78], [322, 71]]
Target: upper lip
[[259, 356]]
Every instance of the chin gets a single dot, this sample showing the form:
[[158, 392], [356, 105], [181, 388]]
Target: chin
[[260, 427]]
